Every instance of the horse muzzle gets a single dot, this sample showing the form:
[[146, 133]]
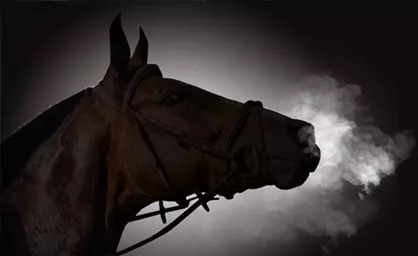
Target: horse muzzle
[[288, 174]]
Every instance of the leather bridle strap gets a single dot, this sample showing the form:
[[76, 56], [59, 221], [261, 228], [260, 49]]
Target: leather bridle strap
[[208, 196], [139, 121], [158, 165]]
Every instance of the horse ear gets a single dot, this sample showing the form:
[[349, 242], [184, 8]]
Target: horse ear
[[140, 56], [119, 47]]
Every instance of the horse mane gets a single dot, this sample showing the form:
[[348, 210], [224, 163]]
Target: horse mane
[[18, 148]]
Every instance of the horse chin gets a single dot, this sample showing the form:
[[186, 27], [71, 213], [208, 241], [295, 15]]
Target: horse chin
[[281, 171], [299, 179], [228, 195]]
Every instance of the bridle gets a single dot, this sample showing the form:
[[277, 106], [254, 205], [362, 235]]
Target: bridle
[[226, 153], [141, 121]]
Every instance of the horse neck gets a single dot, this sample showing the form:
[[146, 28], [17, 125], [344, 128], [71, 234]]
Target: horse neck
[[60, 205]]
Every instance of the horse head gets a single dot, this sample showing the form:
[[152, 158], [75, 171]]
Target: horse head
[[135, 139], [173, 139]]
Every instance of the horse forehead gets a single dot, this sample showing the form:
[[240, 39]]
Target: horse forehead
[[156, 84]]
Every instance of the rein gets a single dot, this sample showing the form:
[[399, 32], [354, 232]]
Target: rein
[[142, 121]]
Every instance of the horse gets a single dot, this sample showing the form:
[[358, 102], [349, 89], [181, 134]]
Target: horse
[[76, 175]]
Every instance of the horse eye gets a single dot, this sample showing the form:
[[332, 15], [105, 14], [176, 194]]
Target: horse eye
[[171, 99]]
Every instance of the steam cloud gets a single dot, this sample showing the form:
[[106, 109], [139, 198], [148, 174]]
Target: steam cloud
[[361, 155], [354, 158]]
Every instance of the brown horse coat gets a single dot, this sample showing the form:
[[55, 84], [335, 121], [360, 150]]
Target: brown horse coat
[[77, 174]]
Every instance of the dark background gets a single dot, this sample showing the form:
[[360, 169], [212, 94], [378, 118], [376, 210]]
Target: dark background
[[375, 46]]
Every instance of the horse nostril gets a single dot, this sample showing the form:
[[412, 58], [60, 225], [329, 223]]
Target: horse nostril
[[302, 131], [306, 136]]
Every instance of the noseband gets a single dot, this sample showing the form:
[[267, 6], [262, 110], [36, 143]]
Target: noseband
[[141, 121]]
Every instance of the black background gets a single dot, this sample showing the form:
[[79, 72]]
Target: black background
[[374, 46]]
